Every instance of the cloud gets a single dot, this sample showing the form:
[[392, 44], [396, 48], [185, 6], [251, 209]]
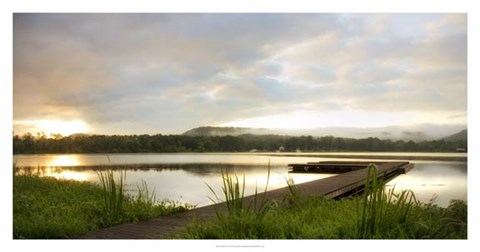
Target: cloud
[[171, 72]]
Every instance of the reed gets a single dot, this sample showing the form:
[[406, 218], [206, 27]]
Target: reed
[[113, 191], [144, 195], [293, 196], [261, 208], [380, 208], [233, 192]]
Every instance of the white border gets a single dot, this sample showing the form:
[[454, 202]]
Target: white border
[[339, 6]]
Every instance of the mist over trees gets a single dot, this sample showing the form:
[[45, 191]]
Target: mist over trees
[[30, 144]]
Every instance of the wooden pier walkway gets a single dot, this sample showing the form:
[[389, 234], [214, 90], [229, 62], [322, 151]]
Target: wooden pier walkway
[[335, 167], [332, 187]]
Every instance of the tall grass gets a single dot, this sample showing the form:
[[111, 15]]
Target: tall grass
[[144, 195], [264, 205], [233, 192], [381, 208], [120, 206], [113, 191]]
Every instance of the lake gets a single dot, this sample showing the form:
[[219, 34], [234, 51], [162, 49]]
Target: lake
[[183, 177]]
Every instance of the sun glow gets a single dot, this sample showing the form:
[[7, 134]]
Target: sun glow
[[62, 127], [70, 175], [65, 160]]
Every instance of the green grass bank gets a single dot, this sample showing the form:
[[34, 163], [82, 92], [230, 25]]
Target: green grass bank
[[378, 213], [44, 207], [319, 218]]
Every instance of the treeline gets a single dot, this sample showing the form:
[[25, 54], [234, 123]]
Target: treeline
[[29, 144]]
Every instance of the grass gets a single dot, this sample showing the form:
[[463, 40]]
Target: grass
[[234, 197], [380, 208], [113, 192], [377, 214], [233, 194], [45, 207]]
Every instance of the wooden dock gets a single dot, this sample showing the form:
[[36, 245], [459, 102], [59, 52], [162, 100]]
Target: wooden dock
[[343, 184], [405, 169], [351, 176], [329, 167]]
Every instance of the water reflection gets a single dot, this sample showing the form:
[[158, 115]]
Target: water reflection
[[185, 183], [435, 182], [209, 158], [79, 176], [56, 172], [200, 169], [65, 160], [183, 177], [184, 186]]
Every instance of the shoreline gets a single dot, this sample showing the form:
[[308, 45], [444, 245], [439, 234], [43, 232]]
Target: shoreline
[[367, 156]]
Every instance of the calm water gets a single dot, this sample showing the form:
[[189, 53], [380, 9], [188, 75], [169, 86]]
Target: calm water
[[184, 177]]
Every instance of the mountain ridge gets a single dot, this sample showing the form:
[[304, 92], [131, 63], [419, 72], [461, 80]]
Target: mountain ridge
[[460, 136], [420, 132]]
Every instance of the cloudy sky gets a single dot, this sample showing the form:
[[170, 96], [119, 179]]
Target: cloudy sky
[[167, 73]]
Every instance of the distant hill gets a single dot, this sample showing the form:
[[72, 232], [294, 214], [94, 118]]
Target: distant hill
[[460, 136], [419, 132], [224, 131]]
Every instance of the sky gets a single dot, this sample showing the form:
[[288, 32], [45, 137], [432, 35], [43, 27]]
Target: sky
[[167, 73]]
